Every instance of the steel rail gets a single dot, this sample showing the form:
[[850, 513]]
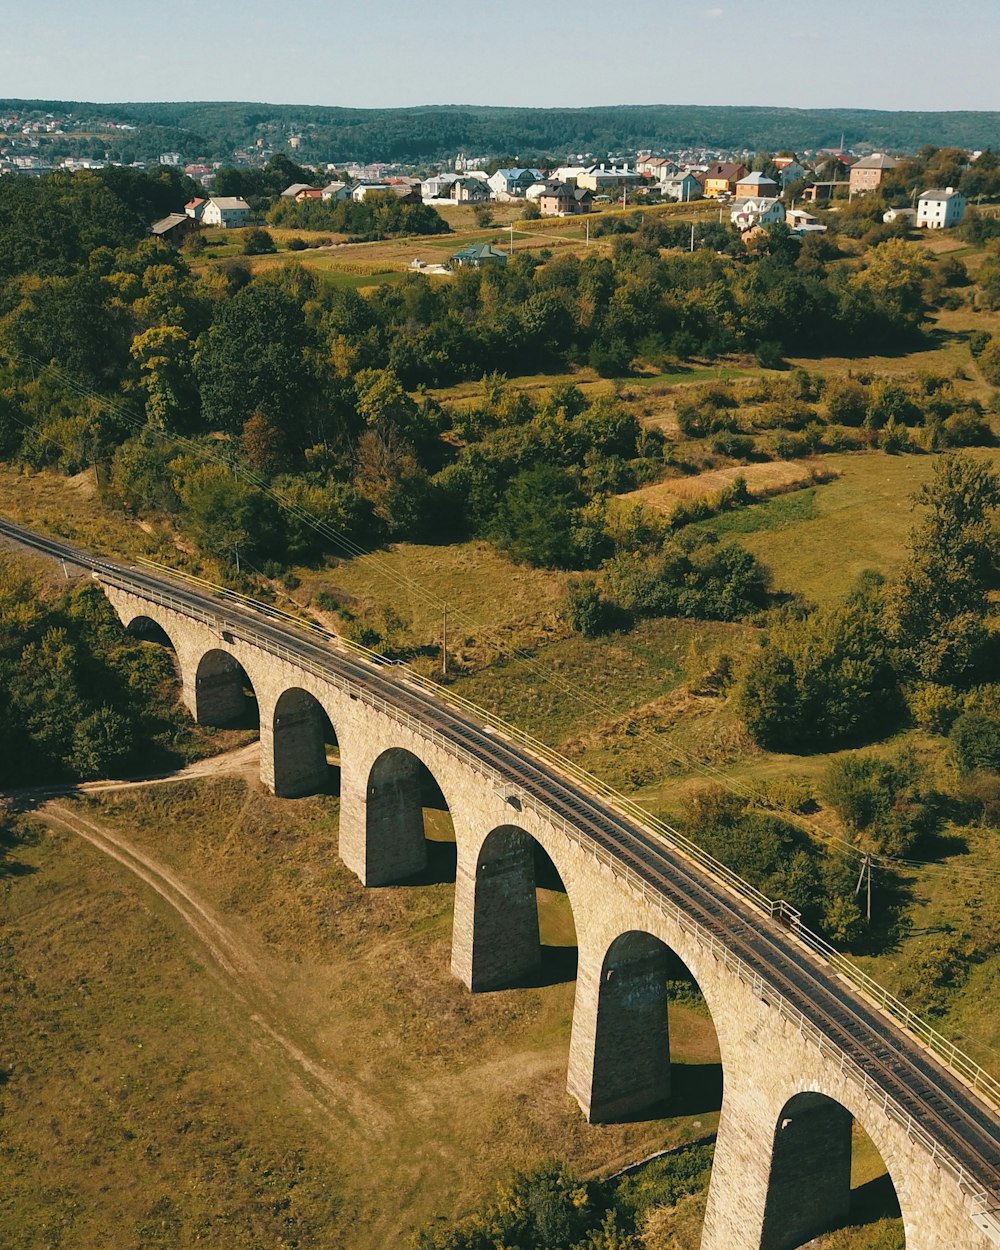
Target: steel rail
[[960, 1132]]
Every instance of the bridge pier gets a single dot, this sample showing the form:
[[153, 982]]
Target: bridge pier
[[496, 940], [292, 746], [381, 817], [619, 1060]]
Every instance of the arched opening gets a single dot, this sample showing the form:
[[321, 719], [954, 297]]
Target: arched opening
[[655, 1047], [523, 927], [306, 751], [147, 630], [409, 832], [826, 1174], [224, 694]]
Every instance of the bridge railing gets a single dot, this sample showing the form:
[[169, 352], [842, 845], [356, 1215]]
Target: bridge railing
[[775, 909]]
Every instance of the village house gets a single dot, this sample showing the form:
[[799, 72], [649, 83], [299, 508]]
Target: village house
[[195, 209], [478, 254], [560, 200], [511, 184], [659, 168], [908, 215], [227, 211], [466, 190], [940, 210], [682, 187], [801, 222], [437, 187], [335, 192], [756, 184], [869, 173], [721, 179], [756, 211], [297, 189], [822, 192], [174, 228], [789, 170]]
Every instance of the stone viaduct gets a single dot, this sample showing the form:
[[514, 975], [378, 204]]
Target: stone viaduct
[[783, 1154]]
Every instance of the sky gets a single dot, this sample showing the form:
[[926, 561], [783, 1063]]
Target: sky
[[925, 55]]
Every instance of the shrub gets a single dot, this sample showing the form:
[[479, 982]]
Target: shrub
[[588, 611], [297, 245], [736, 446], [821, 681], [978, 342], [770, 355], [975, 742], [258, 243], [879, 801]]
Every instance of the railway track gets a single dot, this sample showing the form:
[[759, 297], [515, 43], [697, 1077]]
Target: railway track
[[930, 1101]]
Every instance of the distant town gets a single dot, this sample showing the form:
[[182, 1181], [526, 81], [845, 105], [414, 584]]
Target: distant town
[[755, 189]]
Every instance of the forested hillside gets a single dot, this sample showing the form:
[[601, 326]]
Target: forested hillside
[[214, 129]]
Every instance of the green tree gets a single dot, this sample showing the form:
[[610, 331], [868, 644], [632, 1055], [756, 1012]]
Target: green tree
[[825, 680], [940, 604], [254, 358], [536, 515]]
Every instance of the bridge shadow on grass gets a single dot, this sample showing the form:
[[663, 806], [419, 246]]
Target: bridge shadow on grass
[[696, 1089], [874, 1200], [558, 966], [442, 863]]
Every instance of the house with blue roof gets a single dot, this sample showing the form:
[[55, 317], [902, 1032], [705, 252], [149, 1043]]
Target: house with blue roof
[[511, 184]]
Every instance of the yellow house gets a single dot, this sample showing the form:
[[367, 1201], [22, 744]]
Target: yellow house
[[721, 178]]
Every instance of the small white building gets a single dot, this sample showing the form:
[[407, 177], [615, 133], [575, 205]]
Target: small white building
[[334, 192], [437, 187], [682, 187], [899, 214], [756, 211], [939, 210], [800, 222], [227, 211]]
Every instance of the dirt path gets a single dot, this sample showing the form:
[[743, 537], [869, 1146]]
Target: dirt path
[[235, 963], [241, 760]]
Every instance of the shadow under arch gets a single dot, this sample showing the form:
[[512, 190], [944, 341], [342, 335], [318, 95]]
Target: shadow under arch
[[524, 932], [816, 1144], [647, 992], [306, 750], [147, 630], [409, 833], [224, 694]]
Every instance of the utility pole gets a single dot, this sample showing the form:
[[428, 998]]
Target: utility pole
[[444, 643], [587, 224], [512, 238], [866, 876], [692, 237]]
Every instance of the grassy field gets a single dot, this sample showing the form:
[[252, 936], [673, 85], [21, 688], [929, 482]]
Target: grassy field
[[338, 1088]]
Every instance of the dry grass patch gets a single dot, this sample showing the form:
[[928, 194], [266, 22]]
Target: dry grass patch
[[761, 479], [149, 1106]]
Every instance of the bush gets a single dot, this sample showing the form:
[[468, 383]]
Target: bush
[[297, 245], [975, 742], [879, 801], [978, 342], [736, 446], [588, 611], [825, 680], [770, 355], [258, 243]]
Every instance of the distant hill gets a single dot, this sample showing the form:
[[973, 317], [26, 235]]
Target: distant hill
[[432, 132]]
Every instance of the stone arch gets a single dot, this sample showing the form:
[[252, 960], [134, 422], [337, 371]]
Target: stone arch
[[632, 1054], [398, 835], [146, 629], [507, 940], [809, 1182], [224, 695], [301, 733]]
